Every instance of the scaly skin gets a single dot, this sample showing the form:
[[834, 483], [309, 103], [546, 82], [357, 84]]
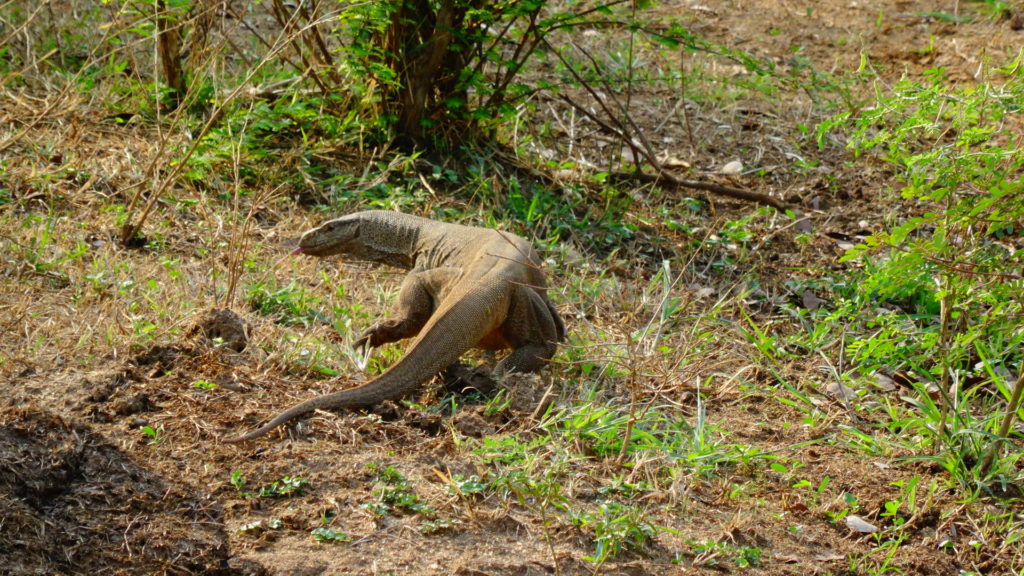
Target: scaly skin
[[467, 287]]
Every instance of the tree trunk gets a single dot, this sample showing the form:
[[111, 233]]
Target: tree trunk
[[168, 39], [425, 64]]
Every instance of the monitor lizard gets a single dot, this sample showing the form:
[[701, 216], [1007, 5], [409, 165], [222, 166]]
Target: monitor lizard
[[467, 287]]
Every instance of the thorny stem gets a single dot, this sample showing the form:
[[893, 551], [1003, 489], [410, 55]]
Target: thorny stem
[[627, 433], [239, 241], [1004, 427], [945, 308], [547, 536]]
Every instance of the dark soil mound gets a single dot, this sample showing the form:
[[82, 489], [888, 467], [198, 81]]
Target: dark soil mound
[[72, 503]]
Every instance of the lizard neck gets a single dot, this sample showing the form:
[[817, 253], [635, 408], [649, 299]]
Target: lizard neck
[[409, 242], [391, 238]]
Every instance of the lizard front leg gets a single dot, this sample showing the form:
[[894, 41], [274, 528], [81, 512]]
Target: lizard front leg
[[418, 297]]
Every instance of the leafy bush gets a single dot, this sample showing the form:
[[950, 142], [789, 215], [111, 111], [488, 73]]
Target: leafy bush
[[945, 281]]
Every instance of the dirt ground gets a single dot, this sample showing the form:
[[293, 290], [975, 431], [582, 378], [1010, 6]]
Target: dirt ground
[[83, 489]]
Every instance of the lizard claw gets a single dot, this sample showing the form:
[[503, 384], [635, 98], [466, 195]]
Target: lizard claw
[[363, 343], [362, 348]]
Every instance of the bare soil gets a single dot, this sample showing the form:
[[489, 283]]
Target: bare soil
[[83, 489]]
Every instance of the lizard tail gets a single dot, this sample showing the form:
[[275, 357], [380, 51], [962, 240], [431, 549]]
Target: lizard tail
[[452, 331], [343, 399]]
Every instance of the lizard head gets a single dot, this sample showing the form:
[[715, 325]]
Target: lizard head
[[338, 236], [375, 236]]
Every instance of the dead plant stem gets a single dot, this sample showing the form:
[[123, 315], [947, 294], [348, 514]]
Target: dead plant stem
[[53, 102], [131, 229], [25, 24], [682, 95]]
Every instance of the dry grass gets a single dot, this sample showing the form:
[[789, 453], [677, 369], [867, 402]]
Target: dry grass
[[98, 344]]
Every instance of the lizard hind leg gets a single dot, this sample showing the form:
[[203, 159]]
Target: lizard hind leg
[[533, 330]]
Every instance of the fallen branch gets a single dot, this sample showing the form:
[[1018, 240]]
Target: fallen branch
[[663, 176]]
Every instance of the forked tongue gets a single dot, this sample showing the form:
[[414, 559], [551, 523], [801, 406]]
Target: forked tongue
[[297, 250]]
